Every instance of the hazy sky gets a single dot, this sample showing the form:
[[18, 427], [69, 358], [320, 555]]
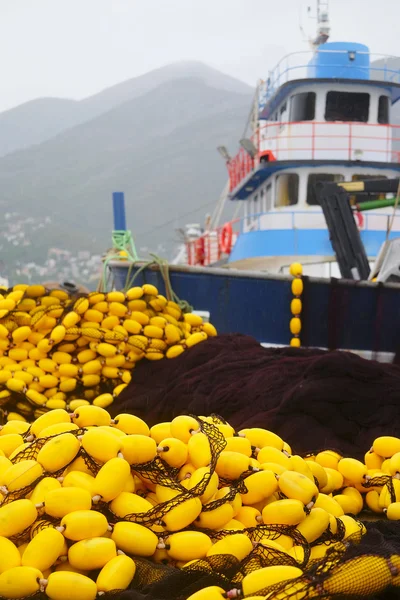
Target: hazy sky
[[74, 48]]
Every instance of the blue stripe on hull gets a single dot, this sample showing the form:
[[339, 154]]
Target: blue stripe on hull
[[302, 242]]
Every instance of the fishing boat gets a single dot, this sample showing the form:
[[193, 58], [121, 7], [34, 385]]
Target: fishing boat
[[321, 116]]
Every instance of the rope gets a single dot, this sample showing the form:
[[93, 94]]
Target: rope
[[122, 242], [394, 212], [164, 271]]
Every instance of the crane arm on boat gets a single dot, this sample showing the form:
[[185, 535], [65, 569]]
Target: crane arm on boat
[[339, 216]]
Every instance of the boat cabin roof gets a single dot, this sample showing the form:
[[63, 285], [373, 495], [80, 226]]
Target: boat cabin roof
[[342, 62], [286, 89]]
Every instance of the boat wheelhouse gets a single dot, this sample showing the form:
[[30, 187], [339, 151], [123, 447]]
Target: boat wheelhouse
[[323, 115]]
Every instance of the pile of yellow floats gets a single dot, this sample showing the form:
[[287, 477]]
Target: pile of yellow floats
[[58, 351], [85, 497]]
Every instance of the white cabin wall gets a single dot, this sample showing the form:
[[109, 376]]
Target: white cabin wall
[[311, 216], [321, 90], [319, 139]]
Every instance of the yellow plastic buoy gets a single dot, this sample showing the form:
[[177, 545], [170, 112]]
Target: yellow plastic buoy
[[296, 269], [296, 305]]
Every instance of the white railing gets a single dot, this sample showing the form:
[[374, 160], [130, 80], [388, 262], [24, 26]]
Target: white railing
[[330, 140], [313, 218], [316, 140], [299, 65]]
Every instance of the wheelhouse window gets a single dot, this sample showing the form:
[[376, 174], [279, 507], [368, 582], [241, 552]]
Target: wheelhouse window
[[287, 189], [268, 198], [347, 106], [362, 177], [251, 204], [255, 209], [314, 179], [383, 110], [302, 107], [359, 198], [282, 113]]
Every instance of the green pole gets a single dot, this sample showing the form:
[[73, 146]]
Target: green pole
[[372, 204]]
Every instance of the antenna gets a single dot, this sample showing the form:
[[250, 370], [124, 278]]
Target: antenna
[[323, 26]]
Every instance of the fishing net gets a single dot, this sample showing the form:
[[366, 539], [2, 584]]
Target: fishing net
[[370, 569], [311, 398], [358, 566], [271, 388]]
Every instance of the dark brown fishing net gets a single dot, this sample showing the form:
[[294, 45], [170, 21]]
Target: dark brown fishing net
[[311, 398]]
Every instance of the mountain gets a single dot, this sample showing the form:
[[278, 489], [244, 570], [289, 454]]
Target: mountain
[[159, 148], [35, 121], [138, 86], [39, 120]]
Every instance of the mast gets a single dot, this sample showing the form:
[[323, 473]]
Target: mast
[[323, 26]]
